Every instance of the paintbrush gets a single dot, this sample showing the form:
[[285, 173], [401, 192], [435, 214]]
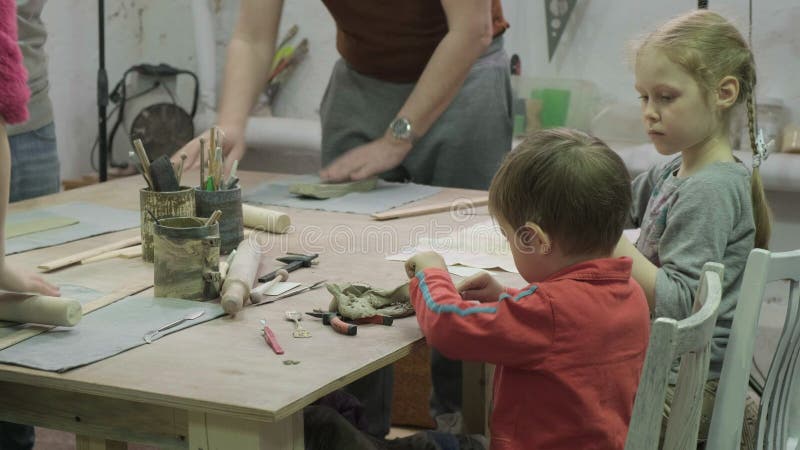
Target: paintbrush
[[180, 167], [202, 163]]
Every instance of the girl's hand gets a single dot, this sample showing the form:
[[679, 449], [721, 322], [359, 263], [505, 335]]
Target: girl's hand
[[19, 281], [482, 287], [422, 261]]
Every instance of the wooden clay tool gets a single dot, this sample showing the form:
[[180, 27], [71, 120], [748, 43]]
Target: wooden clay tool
[[240, 279], [28, 308], [78, 257], [144, 160]]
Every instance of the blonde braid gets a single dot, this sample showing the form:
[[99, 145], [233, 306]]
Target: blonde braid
[[762, 216]]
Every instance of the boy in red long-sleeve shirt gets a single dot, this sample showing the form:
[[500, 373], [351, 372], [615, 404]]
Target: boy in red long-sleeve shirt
[[569, 347]]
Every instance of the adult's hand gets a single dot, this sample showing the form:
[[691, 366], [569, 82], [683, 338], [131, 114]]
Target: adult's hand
[[233, 148], [367, 160]]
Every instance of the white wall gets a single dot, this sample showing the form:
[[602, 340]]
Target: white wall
[[596, 39], [592, 48], [154, 31]]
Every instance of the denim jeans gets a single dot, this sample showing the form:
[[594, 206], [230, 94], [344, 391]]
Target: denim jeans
[[34, 164]]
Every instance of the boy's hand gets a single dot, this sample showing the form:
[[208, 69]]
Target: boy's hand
[[422, 261], [18, 281], [482, 287]]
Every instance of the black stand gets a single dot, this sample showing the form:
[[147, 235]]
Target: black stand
[[102, 91]]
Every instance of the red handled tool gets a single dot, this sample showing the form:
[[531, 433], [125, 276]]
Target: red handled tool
[[272, 341], [333, 319], [377, 320]]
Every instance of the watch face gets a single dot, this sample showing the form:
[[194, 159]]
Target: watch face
[[401, 128]]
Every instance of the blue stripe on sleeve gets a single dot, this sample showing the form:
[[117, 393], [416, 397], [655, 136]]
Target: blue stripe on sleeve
[[525, 293], [519, 296], [437, 308]]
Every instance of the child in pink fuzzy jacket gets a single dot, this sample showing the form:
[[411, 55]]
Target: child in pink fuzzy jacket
[[14, 96]]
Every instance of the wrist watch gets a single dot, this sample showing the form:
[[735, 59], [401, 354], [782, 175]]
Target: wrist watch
[[400, 128]]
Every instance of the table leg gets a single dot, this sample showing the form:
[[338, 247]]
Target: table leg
[[209, 431], [477, 397], [95, 443]]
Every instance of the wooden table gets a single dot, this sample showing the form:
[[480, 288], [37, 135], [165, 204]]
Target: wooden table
[[217, 385]]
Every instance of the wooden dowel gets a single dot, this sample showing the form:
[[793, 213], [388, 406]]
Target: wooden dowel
[[76, 258], [428, 209], [127, 253]]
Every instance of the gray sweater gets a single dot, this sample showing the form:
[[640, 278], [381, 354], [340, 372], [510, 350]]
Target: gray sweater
[[686, 222], [32, 36]]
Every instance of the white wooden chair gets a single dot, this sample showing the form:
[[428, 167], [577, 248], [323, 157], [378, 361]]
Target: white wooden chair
[[726, 422], [690, 340]]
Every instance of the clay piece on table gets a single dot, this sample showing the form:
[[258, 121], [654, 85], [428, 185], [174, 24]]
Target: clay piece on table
[[332, 190], [359, 300]]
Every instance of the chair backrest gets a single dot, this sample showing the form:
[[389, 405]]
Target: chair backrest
[[689, 339], [726, 422]]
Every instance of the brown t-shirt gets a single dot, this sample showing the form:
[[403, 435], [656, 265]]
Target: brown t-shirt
[[392, 40]]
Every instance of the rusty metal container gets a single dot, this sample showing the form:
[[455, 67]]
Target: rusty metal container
[[186, 259], [162, 205]]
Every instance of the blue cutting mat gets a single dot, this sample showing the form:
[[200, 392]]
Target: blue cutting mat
[[105, 332], [92, 220], [385, 196]]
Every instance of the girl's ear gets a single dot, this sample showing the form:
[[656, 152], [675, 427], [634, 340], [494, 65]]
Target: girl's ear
[[727, 92]]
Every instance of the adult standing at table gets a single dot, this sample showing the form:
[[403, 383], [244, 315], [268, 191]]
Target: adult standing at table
[[34, 154], [421, 93]]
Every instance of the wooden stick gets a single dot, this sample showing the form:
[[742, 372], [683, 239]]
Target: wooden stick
[[180, 167], [145, 160], [428, 209], [127, 253], [78, 257]]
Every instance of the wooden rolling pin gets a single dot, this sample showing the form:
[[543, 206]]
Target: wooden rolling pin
[[27, 308], [265, 219], [241, 276]]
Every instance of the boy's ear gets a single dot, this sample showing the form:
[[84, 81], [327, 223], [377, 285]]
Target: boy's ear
[[533, 238], [727, 92]]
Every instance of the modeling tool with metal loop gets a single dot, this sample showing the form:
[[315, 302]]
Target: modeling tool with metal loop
[[153, 335]]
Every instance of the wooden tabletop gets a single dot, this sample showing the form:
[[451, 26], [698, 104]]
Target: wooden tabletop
[[224, 366]]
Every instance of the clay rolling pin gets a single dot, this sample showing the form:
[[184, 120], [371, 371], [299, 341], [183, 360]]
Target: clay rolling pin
[[27, 308], [241, 276], [265, 219]]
